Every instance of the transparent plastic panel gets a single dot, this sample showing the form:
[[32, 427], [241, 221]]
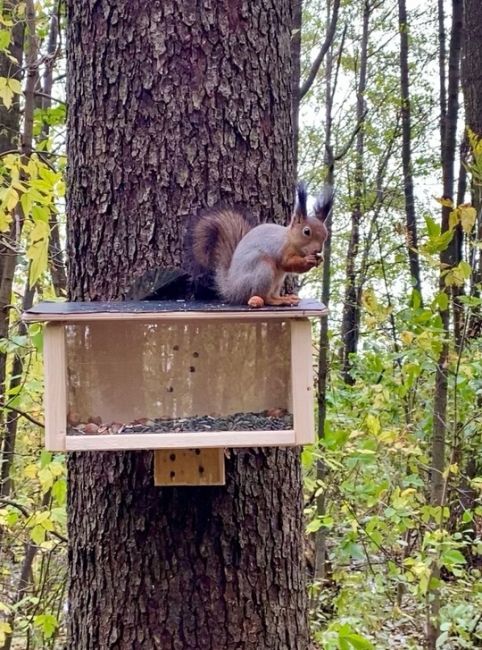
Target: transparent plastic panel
[[140, 377]]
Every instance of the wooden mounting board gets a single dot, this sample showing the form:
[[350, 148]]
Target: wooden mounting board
[[68, 312], [184, 440], [183, 467]]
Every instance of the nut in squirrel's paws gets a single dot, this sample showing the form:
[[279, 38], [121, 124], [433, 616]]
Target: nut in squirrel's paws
[[256, 302]]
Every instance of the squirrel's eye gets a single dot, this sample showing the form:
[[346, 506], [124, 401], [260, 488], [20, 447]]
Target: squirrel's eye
[[306, 231]]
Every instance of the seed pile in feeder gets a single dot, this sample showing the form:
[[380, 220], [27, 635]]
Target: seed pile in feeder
[[270, 420]]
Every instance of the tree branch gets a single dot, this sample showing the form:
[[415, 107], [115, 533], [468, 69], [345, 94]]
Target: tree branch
[[25, 415], [26, 514], [341, 154], [323, 50]]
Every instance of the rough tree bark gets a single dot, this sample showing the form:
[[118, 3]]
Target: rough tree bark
[[173, 106], [472, 87], [472, 65]]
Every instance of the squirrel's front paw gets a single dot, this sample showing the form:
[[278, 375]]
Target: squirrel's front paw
[[311, 261]]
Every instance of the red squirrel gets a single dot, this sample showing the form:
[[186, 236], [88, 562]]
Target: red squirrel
[[250, 263]]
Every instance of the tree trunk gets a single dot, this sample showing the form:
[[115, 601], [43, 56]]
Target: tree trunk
[[351, 307], [297, 18], [172, 107], [472, 87], [411, 220], [9, 135], [324, 344], [472, 65], [447, 259], [56, 257]]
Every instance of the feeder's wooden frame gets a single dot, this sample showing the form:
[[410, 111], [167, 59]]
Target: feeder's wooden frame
[[56, 438]]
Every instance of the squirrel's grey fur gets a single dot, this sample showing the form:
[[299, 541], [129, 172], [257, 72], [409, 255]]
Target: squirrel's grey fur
[[245, 259]]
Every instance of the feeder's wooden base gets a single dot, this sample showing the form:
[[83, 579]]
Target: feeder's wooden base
[[177, 467]]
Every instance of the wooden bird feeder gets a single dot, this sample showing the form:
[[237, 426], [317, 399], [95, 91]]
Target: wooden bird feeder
[[188, 378]]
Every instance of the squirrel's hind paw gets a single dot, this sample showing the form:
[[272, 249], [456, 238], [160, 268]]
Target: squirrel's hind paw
[[291, 299], [256, 302]]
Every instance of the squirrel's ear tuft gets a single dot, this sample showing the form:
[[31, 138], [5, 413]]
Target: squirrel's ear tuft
[[324, 203], [300, 212]]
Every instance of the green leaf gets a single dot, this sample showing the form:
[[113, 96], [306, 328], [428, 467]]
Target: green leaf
[[45, 458], [314, 525], [415, 299], [433, 228], [441, 301], [38, 534], [465, 269], [452, 556], [59, 491], [4, 39], [40, 213], [349, 640], [47, 623], [59, 516], [358, 642]]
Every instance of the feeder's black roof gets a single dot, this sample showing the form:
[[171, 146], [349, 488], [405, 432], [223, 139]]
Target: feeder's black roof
[[164, 309]]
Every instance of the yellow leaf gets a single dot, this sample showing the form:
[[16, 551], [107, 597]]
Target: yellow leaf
[[468, 215], [5, 220], [453, 218], [373, 424], [32, 168], [46, 479], [388, 436], [407, 337], [38, 250], [443, 200], [10, 198], [458, 274], [30, 471], [6, 95], [15, 85], [26, 201], [4, 630], [56, 468]]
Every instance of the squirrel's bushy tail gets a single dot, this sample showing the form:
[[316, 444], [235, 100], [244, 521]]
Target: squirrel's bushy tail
[[213, 236]]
